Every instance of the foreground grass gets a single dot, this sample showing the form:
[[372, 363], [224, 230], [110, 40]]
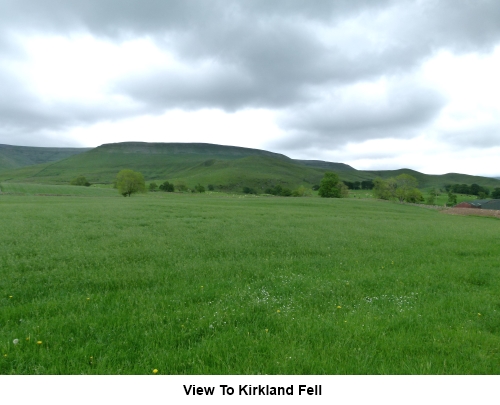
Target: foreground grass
[[96, 190], [194, 284]]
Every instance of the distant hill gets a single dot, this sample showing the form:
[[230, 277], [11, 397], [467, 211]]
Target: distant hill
[[12, 157], [320, 164], [226, 167]]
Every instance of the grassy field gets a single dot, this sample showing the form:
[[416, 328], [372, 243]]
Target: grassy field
[[209, 284], [57, 190]]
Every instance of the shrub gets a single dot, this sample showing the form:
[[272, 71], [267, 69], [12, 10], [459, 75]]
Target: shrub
[[181, 186], [167, 187], [248, 190], [80, 181], [199, 188], [210, 187], [153, 186]]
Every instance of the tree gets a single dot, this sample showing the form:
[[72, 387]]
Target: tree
[[431, 200], [129, 182], [402, 187], [249, 190], [153, 186], [383, 189], [331, 186], [496, 193], [475, 189], [344, 190], [80, 181], [181, 186], [414, 196], [452, 198], [367, 184], [167, 187], [405, 187], [301, 192], [199, 188]]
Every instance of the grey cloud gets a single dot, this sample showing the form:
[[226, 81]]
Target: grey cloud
[[274, 57], [270, 67], [349, 117], [23, 112], [116, 17], [260, 53]]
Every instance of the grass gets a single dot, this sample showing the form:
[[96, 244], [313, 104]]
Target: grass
[[210, 284], [57, 190]]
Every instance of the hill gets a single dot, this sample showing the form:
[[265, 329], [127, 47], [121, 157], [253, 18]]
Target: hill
[[12, 157], [320, 164], [226, 167]]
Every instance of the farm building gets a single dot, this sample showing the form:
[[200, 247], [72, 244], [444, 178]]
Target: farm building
[[482, 204]]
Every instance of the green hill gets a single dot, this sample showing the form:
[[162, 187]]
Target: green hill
[[320, 164], [437, 180], [12, 157], [226, 167]]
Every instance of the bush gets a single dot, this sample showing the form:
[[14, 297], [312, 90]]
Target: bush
[[199, 188], [414, 196], [278, 190], [181, 186], [167, 187], [367, 185], [210, 187], [80, 181], [153, 186], [248, 190], [496, 193]]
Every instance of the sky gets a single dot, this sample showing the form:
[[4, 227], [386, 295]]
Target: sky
[[376, 84]]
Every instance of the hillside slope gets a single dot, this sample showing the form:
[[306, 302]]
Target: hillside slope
[[226, 167], [12, 157], [320, 164]]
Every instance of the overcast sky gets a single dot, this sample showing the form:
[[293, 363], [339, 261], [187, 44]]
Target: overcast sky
[[377, 84]]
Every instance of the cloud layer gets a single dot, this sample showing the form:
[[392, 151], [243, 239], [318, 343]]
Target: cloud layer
[[334, 73]]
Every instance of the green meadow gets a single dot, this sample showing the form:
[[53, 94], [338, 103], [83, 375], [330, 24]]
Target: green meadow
[[218, 284]]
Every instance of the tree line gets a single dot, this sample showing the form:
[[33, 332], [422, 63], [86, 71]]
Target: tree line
[[473, 189], [360, 185], [402, 187]]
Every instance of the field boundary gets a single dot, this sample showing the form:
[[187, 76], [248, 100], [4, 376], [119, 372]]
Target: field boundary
[[473, 211]]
